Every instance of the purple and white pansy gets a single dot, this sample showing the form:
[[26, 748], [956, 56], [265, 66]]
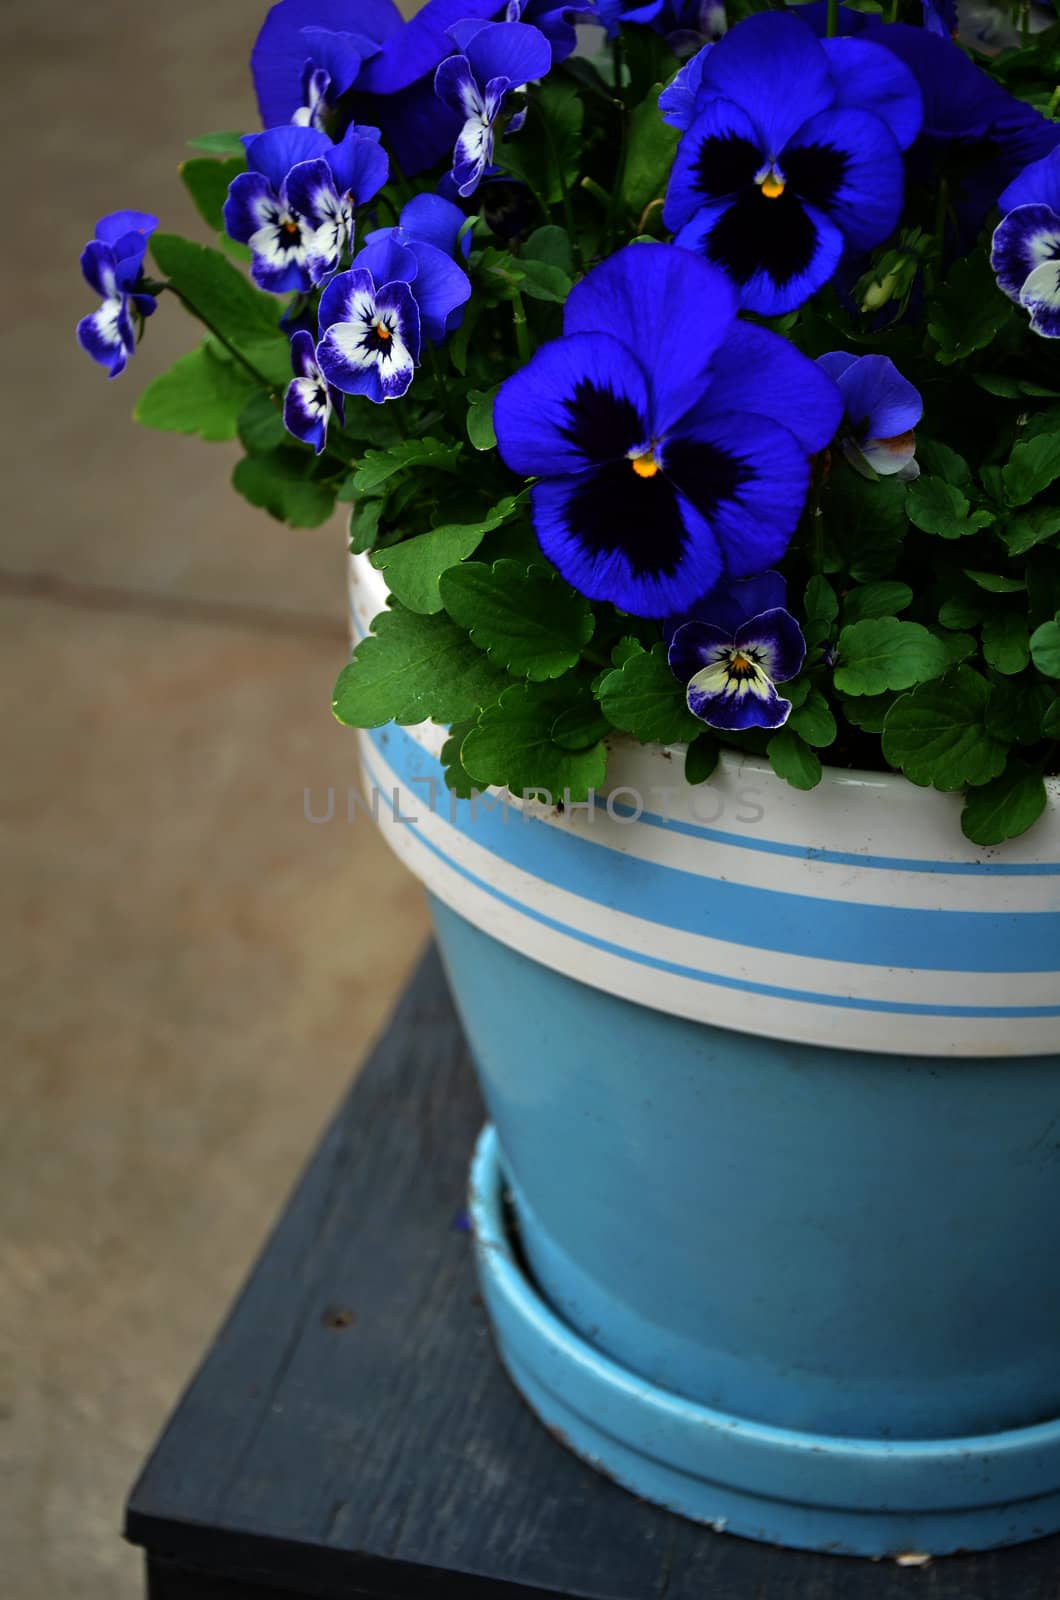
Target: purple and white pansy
[[369, 335], [439, 286], [496, 58], [294, 207], [310, 399], [112, 265], [881, 411], [733, 649], [1025, 254]]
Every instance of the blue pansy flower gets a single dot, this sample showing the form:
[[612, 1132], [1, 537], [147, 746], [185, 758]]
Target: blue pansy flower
[[369, 336], [495, 59], [310, 399], [795, 154], [310, 52], [557, 22], [112, 265], [671, 441], [271, 207], [881, 411], [739, 645], [328, 191], [439, 287], [431, 219], [1025, 253]]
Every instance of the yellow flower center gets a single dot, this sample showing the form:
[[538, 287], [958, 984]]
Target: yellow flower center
[[773, 187], [382, 330], [645, 465]]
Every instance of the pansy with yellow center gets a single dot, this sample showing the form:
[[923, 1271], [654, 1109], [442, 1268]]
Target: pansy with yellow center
[[670, 440], [732, 653]]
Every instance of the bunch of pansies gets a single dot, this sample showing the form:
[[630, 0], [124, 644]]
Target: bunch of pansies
[[687, 371]]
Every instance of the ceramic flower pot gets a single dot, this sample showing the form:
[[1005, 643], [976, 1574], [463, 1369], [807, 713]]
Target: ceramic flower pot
[[774, 1093]]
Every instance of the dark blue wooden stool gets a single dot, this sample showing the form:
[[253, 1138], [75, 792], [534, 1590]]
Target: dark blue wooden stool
[[351, 1433]]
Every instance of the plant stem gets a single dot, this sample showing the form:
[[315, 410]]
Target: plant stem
[[259, 377], [832, 27], [522, 332]]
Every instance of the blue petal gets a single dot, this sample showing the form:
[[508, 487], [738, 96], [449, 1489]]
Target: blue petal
[[771, 287], [251, 198], [98, 268], [431, 219], [719, 156], [277, 150], [310, 189], [754, 507], [869, 78], [304, 362], [695, 645], [340, 54], [416, 49], [732, 707], [279, 54], [1041, 297], [758, 371], [360, 166], [117, 224], [107, 335], [772, 65], [581, 399], [867, 201], [557, 23], [356, 362], [732, 602], [338, 300], [622, 569], [305, 410], [387, 259], [511, 50], [1037, 184], [879, 402], [456, 86], [1024, 239], [440, 288], [836, 362], [417, 128], [671, 309], [777, 641], [679, 101]]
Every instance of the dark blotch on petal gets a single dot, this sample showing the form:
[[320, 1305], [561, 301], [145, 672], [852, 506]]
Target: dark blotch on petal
[[604, 425], [705, 474], [759, 235], [614, 509], [816, 172], [725, 165]]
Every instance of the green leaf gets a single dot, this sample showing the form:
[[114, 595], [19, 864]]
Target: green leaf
[[1051, 720], [820, 601], [937, 733], [551, 245], [1025, 529], [792, 759], [881, 653], [941, 508], [201, 393], [876, 600], [413, 668], [868, 711], [260, 424], [1017, 709], [527, 619], [995, 582], [969, 312], [540, 280], [207, 182], [642, 697], [1033, 465], [547, 156], [940, 461], [958, 646], [652, 145], [701, 758], [1005, 807], [512, 745], [414, 567], [813, 720], [379, 466], [1045, 647], [219, 144], [867, 523], [363, 529], [280, 483], [580, 724], [457, 778], [1006, 642], [218, 292], [480, 429]]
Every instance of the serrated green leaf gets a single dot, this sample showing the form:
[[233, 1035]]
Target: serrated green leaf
[[642, 697], [882, 653], [512, 746], [548, 156], [480, 429], [1051, 720], [968, 313], [527, 619], [940, 461], [868, 711], [207, 182], [938, 507], [701, 758], [379, 466], [1005, 807], [1045, 647], [217, 291], [1025, 529], [958, 646], [813, 720], [1006, 642], [867, 524], [363, 527], [551, 245], [260, 424], [936, 734], [202, 393], [412, 668], [876, 600], [792, 759], [652, 145], [1017, 708], [820, 600], [995, 582], [414, 567], [457, 778], [580, 724], [218, 144], [541, 280], [1033, 465], [280, 483]]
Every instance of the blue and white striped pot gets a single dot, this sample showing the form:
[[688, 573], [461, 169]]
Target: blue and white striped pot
[[774, 1091]]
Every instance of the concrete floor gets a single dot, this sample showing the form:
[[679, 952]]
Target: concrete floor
[[185, 980]]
